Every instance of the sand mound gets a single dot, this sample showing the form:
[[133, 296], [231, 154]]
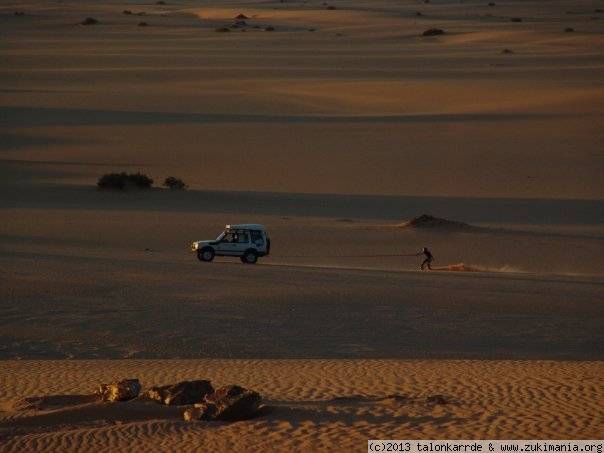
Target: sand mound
[[429, 221]]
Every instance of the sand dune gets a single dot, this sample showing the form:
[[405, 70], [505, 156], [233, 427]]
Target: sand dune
[[118, 93], [331, 138]]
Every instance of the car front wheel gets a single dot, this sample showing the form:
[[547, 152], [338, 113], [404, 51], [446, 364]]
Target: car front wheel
[[206, 254]]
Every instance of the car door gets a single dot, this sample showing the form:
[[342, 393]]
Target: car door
[[242, 242], [228, 244]]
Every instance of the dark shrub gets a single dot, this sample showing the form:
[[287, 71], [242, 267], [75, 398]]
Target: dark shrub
[[89, 21], [331, 7], [269, 28], [143, 24], [123, 180], [516, 19], [19, 13], [175, 183], [139, 180], [507, 51], [160, 2], [433, 32], [569, 30], [127, 12], [222, 30]]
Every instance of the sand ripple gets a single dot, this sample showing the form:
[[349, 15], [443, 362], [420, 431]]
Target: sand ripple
[[313, 404]]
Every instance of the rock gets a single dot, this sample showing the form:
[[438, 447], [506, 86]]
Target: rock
[[228, 403], [127, 12], [186, 392], [241, 16], [89, 21], [436, 399], [507, 51], [433, 32], [124, 390], [241, 23]]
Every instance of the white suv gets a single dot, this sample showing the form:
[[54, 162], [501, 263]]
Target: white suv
[[248, 241]]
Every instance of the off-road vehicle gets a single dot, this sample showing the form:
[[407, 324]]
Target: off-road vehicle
[[248, 241]]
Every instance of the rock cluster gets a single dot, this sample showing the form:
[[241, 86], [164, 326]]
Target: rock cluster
[[228, 403]]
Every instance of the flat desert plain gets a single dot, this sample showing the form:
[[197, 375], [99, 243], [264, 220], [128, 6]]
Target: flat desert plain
[[332, 124]]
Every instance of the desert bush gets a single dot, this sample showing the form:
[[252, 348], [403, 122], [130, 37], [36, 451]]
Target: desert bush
[[89, 21], [123, 180], [433, 32], [569, 30], [269, 28], [127, 12], [222, 30], [516, 19], [143, 24], [175, 183]]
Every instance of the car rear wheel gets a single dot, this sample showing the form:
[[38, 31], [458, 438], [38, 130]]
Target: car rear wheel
[[206, 254], [250, 257]]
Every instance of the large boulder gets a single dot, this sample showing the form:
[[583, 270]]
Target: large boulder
[[228, 403], [186, 392], [124, 390]]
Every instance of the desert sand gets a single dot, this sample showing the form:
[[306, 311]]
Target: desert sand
[[315, 405], [332, 130]]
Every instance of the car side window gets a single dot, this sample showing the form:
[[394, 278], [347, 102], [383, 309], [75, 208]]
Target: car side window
[[257, 238], [243, 238]]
